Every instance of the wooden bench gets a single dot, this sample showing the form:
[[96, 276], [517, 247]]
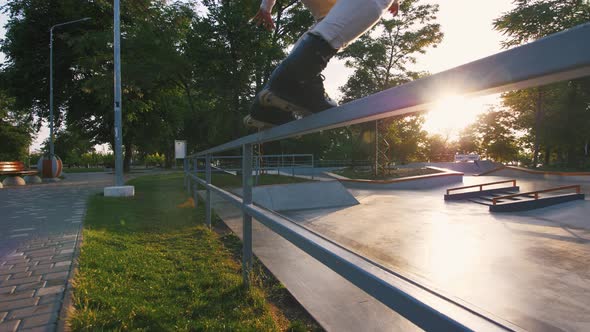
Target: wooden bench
[[14, 170]]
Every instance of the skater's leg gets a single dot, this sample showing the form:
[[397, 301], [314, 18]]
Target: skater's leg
[[295, 85], [349, 19]]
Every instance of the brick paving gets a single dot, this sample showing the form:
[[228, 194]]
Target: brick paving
[[39, 232]]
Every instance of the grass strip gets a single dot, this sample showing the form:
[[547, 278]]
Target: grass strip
[[368, 174], [84, 170], [148, 263]]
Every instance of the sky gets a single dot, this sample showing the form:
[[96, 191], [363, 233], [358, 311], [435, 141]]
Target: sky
[[468, 36]]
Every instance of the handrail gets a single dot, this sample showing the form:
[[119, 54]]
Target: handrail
[[558, 57], [482, 185], [265, 156], [536, 193]]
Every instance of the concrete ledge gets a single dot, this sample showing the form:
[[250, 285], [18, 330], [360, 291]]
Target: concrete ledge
[[120, 191], [410, 182], [14, 181], [1, 185], [547, 175]]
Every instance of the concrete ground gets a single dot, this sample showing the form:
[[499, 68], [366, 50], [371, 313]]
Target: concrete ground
[[527, 270], [334, 302], [531, 268]]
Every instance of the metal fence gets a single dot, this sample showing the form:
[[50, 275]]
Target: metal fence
[[562, 56], [285, 164]]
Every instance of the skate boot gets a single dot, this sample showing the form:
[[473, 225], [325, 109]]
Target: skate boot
[[296, 85], [261, 117], [317, 86]]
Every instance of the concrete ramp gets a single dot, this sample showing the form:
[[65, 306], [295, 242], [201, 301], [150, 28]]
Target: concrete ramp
[[513, 171], [300, 196]]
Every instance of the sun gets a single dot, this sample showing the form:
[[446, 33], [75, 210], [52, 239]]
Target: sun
[[452, 114]]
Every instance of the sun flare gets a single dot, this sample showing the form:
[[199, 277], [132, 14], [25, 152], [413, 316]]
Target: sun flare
[[452, 114]]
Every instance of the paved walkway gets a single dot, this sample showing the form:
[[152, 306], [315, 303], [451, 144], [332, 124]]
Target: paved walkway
[[39, 230]]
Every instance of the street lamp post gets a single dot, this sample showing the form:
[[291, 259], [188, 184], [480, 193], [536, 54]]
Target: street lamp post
[[51, 147], [118, 121], [119, 190]]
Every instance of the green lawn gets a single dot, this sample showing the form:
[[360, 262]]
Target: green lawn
[[148, 263], [367, 174], [83, 169]]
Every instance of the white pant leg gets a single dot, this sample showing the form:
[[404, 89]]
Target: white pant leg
[[349, 19]]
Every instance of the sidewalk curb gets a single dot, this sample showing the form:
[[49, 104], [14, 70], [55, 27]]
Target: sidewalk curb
[[67, 305]]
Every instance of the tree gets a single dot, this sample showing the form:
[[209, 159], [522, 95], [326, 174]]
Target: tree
[[406, 138], [439, 149], [498, 141], [468, 141], [540, 112], [534, 19], [70, 145], [184, 75], [15, 131], [381, 60]]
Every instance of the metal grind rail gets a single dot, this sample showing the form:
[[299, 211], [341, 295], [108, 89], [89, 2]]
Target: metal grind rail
[[562, 56], [535, 194], [481, 185]]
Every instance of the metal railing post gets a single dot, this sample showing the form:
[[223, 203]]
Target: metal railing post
[[257, 169], [312, 166], [208, 180], [184, 168], [247, 219]]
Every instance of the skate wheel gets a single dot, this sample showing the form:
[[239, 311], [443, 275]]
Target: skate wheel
[[249, 121], [269, 99]]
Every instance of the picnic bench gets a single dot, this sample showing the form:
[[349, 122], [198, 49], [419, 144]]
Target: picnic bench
[[14, 170]]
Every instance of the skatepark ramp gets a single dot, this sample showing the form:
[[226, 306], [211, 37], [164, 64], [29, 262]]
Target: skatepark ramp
[[299, 196], [508, 199], [562, 56]]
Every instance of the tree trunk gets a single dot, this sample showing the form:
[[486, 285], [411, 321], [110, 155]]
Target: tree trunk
[[169, 157], [538, 121], [127, 157]]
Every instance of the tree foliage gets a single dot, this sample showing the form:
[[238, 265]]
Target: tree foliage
[[15, 131], [189, 68], [554, 119], [381, 59]]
